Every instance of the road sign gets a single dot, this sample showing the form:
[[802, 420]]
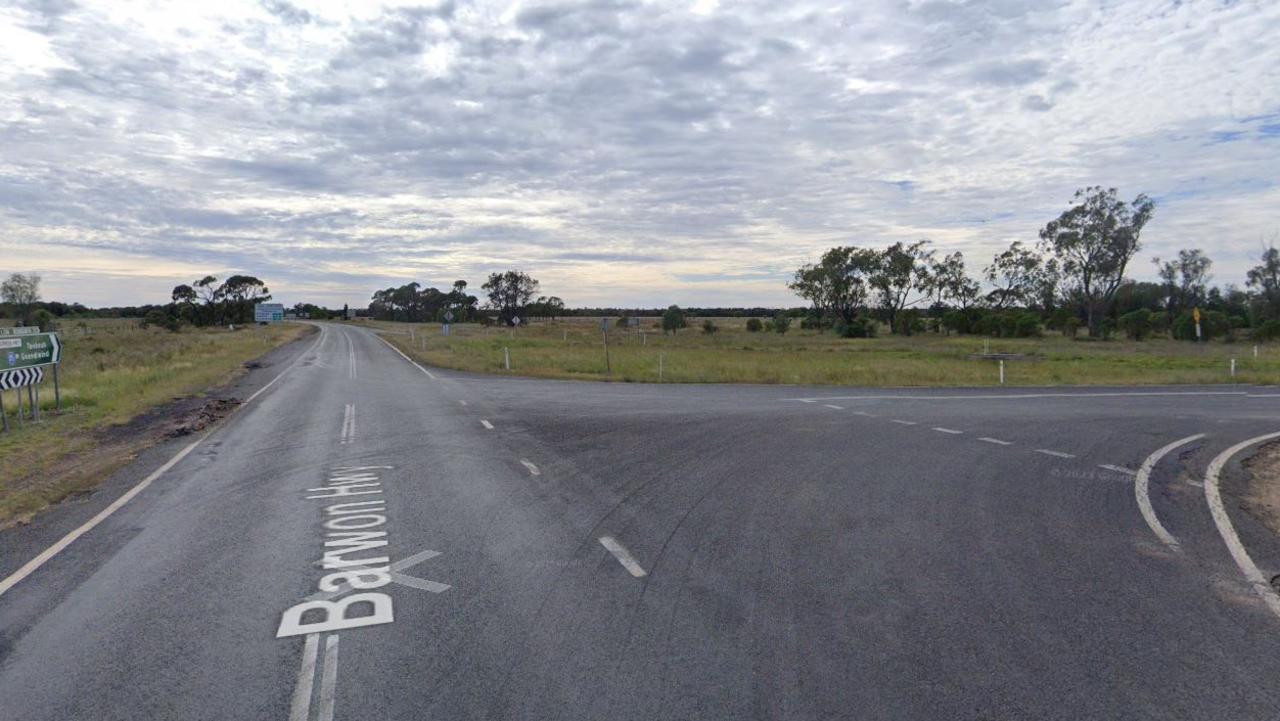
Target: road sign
[[604, 324], [448, 316], [26, 351], [1195, 313], [633, 322], [20, 330], [268, 312], [515, 320], [19, 377]]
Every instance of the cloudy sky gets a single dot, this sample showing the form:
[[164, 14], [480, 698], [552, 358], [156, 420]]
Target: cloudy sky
[[623, 152]]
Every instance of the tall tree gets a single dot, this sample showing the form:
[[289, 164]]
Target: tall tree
[[839, 283], [1184, 281], [22, 291], [903, 272], [1018, 276], [1264, 280], [1094, 241], [949, 284], [510, 292]]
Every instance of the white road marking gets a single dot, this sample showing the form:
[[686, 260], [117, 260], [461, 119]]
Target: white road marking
[[1142, 492], [839, 408], [1055, 454], [1018, 396], [486, 424], [351, 357], [952, 431], [349, 424], [864, 413], [463, 402], [1228, 532], [903, 423], [402, 355], [403, 579], [533, 470], [1197, 484], [300, 706], [623, 555], [996, 441], [328, 679], [1118, 469]]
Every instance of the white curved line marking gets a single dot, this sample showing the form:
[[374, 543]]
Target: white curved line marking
[[1141, 489], [1228, 532]]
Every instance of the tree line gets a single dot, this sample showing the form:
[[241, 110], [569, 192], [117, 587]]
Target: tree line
[[1075, 276], [509, 295]]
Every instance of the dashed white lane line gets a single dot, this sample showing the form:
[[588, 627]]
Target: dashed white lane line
[[903, 423], [1117, 469], [828, 405], [1228, 532], [463, 402], [300, 706], [533, 470], [402, 355], [1055, 454], [996, 441], [864, 413], [952, 431], [328, 679], [486, 424], [1142, 492], [623, 555]]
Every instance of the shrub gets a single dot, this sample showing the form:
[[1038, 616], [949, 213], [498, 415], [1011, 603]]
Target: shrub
[[812, 322], [861, 327], [1213, 324], [673, 319], [1269, 330], [754, 325], [709, 327], [45, 320], [781, 322], [153, 317], [1136, 325]]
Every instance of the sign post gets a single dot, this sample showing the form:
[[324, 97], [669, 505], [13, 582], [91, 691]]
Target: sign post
[[23, 354], [448, 318], [1195, 313], [604, 331]]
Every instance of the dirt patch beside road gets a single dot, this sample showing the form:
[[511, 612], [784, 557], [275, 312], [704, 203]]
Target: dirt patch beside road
[[1262, 497]]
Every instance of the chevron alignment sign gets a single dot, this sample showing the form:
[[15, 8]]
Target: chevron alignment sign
[[19, 377]]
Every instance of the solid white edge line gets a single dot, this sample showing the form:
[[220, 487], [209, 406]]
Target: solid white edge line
[[623, 556], [300, 705], [1213, 496], [533, 470], [328, 679], [30, 566], [1142, 491], [402, 355], [486, 424], [997, 441]]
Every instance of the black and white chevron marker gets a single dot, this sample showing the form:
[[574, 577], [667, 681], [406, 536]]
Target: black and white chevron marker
[[19, 377]]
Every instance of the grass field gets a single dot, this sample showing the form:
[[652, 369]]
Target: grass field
[[573, 348], [111, 372]]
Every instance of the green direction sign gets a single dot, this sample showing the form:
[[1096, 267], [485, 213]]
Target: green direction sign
[[25, 351]]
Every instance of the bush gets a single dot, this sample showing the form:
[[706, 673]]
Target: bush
[[861, 327], [754, 325], [44, 320], [1136, 325], [708, 327], [781, 322], [1213, 324], [1269, 330], [812, 322], [153, 317], [673, 319], [908, 322]]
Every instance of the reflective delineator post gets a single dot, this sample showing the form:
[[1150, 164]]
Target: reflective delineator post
[[1001, 372], [1233, 367], [506, 358]]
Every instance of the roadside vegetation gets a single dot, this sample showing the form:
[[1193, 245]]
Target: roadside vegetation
[[112, 372], [733, 353]]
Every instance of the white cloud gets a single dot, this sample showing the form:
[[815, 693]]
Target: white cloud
[[625, 153]]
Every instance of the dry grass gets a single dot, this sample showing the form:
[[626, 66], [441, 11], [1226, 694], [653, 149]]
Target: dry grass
[[573, 349], [112, 371]]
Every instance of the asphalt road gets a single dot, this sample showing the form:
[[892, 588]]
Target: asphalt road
[[559, 550]]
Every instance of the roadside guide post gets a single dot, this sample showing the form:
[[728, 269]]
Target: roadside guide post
[[1195, 313], [506, 358], [604, 331], [1001, 372], [659, 367], [1233, 367]]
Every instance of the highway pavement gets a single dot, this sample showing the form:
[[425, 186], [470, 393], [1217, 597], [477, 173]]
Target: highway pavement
[[367, 538]]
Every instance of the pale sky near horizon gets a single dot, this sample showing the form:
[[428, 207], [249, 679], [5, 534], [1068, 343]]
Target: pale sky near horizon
[[624, 153]]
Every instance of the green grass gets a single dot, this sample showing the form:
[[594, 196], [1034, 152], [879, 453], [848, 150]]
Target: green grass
[[111, 372], [573, 349]]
